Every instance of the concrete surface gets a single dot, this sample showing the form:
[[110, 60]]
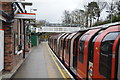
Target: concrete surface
[[38, 64]]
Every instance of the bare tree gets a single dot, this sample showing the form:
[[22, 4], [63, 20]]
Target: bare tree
[[111, 7], [79, 17], [118, 7], [92, 10], [101, 6], [76, 17], [41, 23], [66, 17]]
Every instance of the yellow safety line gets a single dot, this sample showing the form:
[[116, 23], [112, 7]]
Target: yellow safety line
[[56, 64]]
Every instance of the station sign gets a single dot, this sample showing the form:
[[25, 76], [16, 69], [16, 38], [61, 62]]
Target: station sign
[[25, 16], [1, 49]]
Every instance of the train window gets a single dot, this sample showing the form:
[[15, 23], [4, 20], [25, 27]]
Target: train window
[[68, 43], [82, 41], [106, 54], [61, 44]]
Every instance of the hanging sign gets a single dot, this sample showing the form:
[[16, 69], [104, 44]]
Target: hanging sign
[[25, 16]]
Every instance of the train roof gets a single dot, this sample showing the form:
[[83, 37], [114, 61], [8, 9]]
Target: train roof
[[65, 35], [103, 26], [71, 35]]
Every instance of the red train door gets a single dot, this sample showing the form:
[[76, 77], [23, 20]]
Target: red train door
[[82, 66], [91, 55], [118, 74], [105, 54], [63, 47]]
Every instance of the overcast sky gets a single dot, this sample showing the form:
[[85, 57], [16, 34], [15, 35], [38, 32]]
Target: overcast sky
[[52, 10]]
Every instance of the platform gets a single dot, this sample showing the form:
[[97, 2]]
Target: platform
[[41, 63]]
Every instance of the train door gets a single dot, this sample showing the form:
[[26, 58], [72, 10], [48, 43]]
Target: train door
[[90, 61], [75, 55], [105, 54], [68, 49], [85, 40], [74, 49], [118, 74], [91, 55], [66, 52], [58, 43], [73, 52], [63, 47]]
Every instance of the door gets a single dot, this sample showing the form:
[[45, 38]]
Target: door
[[83, 54], [106, 56], [118, 74], [81, 68], [91, 55], [90, 63], [75, 54]]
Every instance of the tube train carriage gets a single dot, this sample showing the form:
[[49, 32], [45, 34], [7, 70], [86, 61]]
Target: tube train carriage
[[90, 54]]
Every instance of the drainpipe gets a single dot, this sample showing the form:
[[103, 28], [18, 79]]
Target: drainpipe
[[24, 38]]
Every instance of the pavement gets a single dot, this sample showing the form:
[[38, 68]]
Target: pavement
[[39, 64]]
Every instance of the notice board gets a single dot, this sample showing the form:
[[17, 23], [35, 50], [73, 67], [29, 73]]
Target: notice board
[[1, 50]]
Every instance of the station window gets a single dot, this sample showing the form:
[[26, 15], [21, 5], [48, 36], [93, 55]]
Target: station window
[[106, 54], [81, 54]]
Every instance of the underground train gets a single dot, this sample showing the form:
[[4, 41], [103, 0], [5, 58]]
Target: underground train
[[92, 53]]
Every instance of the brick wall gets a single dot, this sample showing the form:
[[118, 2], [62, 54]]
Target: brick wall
[[10, 59], [9, 47], [7, 7], [8, 37]]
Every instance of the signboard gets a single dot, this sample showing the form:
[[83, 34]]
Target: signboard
[[1, 49], [25, 16]]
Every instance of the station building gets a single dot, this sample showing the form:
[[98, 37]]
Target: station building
[[13, 27]]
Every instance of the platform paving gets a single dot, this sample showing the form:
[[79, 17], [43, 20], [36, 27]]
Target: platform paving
[[39, 64]]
